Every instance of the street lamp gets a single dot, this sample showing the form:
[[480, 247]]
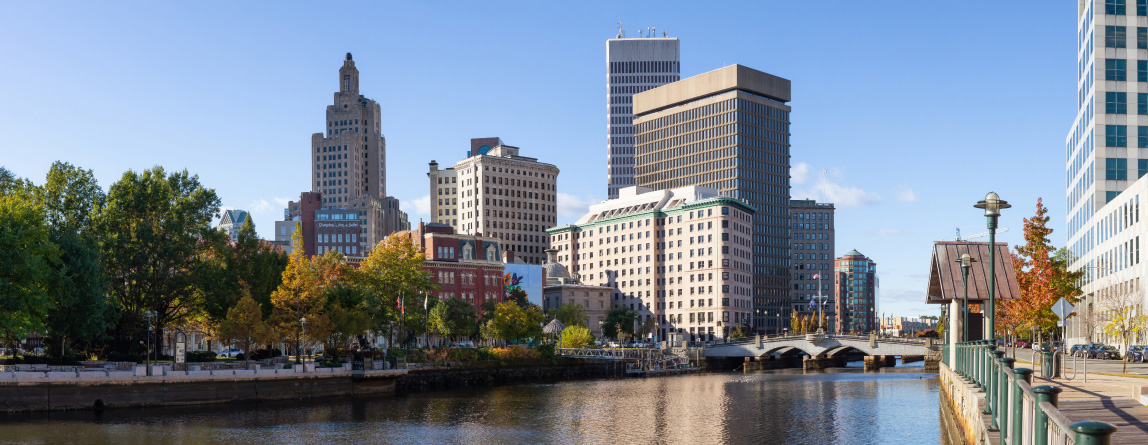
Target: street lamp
[[303, 325], [992, 205], [150, 315], [966, 261]]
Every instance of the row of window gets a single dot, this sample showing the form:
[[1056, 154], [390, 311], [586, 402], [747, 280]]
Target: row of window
[[1120, 7], [1117, 69], [1116, 36]]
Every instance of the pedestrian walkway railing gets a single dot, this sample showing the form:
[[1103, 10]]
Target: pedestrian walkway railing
[[1020, 413]]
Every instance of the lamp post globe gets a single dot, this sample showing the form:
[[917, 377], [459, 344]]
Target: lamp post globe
[[992, 205]]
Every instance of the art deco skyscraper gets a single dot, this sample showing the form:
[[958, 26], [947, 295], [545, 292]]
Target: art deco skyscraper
[[633, 65], [728, 129]]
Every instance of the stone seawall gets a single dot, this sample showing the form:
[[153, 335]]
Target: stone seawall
[[113, 391], [439, 379], [961, 413]]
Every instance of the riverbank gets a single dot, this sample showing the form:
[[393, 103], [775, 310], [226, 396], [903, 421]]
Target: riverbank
[[437, 379], [56, 391]]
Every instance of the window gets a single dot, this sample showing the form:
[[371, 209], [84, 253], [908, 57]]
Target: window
[[1141, 7], [1114, 7], [1109, 196], [1142, 137], [1141, 167], [1115, 136], [1115, 102], [1116, 169], [1115, 69], [1114, 36], [1141, 37], [1142, 70], [1141, 103]]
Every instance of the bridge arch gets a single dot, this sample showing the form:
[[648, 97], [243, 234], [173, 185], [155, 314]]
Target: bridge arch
[[785, 350], [843, 349]]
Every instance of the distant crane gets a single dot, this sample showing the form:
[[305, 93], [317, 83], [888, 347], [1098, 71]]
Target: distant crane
[[979, 235]]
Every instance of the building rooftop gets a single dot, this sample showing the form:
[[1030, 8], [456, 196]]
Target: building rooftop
[[733, 77]]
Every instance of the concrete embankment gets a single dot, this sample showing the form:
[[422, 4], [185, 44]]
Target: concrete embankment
[[47, 391]]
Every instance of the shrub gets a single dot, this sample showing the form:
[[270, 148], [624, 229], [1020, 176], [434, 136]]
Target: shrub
[[514, 353], [546, 351], [575, 337], [200, 356], [266, 354]]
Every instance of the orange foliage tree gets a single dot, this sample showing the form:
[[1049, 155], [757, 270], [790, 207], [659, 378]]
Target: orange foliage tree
[[1043, 277]]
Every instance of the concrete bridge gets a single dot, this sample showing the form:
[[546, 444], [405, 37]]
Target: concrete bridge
[[819, 346]]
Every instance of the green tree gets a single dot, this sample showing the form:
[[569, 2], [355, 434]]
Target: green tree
[[71, 197], [244, 325], [512, 322], [256, 265], [453, 318], [29, 272], [570, 314], [737, 333], [150, 236], [619, 320], [576, 336]]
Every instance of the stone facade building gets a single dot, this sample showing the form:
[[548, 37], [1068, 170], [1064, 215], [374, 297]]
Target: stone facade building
[[812, 228], [500, 194], [349, 162], [728, 129], [682, 257], [561, 289]]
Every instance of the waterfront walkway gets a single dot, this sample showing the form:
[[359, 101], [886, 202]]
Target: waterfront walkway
[[1106, 398]]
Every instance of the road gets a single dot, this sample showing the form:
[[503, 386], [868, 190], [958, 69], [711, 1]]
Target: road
[[1094, 365]]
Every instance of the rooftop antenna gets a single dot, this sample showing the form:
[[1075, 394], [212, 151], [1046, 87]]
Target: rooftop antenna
[[664, 33], [621, 33], [653, 31]]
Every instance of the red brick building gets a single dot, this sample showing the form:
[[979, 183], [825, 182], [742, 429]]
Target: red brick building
[[466, 267]]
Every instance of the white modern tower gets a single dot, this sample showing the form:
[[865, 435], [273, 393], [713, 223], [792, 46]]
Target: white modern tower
[[1106, 157], [634, 65]]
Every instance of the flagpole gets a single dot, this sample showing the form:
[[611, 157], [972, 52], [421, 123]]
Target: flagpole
[[820, 305]]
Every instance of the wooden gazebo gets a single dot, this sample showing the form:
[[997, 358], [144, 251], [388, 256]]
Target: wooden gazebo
[[946, 284]]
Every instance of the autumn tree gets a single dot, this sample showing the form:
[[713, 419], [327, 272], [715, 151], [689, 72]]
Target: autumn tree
[[1121, 317], [393, 271], [244, 325], [1043, 277], [297, 297], [737, 333], [512, 322]]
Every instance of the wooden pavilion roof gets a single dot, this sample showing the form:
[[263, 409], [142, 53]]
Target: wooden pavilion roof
[[945, 281]]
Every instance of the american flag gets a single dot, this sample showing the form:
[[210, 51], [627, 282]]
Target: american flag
[[816, 276]]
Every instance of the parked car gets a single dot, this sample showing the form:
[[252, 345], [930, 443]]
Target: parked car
[[1022, 343], [463, 344], [1075, 351], [640, 344], [1094, 350], [230, 352], [1135, 353]]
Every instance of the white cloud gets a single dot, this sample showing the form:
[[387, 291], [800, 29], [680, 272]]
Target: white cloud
[[906, 194], [282, 201], [573, 207], [417, 207], [892, 232], [799, 174], [843, 196], [260, 206]]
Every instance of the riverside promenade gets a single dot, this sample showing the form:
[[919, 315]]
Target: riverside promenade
[[1049, 410]]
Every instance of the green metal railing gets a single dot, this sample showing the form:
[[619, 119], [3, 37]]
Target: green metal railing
[[1021, 413]]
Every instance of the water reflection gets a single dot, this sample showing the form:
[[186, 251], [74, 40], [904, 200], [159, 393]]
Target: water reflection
[[837, 406]]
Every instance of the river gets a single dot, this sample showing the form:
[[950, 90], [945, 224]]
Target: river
[[837, 406]]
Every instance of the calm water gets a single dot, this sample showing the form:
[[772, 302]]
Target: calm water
[[841, 406]]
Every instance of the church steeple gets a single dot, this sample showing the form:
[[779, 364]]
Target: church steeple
[[349, 77]]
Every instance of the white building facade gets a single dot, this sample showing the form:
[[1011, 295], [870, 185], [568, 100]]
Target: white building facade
[[1106, 153], [682, 257]]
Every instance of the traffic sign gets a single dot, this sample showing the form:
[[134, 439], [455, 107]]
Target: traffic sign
[[1062, 309]]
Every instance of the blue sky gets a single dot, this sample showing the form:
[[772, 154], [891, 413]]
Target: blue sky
[[904, 113]]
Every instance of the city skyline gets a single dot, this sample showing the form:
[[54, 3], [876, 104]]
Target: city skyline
[[173, 88]]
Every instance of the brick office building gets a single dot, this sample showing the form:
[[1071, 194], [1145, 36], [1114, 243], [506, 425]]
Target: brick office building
[[466, 267]]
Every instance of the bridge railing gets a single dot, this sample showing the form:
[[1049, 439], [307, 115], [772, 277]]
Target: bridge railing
[[1024, 414]]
